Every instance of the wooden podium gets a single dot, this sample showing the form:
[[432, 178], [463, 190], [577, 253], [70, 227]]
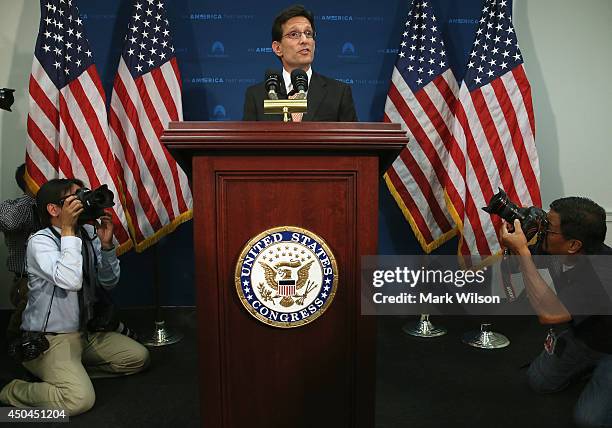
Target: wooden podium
[[248, 177]]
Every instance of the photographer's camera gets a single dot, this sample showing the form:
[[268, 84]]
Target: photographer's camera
[[94, 202], [533, 219]]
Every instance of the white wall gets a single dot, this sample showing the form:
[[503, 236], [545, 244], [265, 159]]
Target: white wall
[[18, 30], [566, 47], [568, 60]]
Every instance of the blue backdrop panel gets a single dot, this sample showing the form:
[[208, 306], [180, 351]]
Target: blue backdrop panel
[[224, 47]]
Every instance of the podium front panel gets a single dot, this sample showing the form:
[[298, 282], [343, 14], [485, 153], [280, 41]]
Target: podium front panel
[[253, 374]]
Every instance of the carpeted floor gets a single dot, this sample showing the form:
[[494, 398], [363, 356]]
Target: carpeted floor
[[442, 382], [420, 383]]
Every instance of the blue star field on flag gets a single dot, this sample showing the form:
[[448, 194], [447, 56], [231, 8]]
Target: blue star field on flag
[[62, 47], [496, 50], [149, 43], [422, 54]]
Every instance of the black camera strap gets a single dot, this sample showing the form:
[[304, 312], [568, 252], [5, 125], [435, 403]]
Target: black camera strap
[[88, 294], [44, 329]]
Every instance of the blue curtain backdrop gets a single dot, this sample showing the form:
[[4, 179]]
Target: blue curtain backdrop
[[224, 47]]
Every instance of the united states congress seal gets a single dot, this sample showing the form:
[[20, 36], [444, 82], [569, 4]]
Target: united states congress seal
[[286, 276]]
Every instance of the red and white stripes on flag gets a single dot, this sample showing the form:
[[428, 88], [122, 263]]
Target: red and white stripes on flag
[[466, 142], [421, 97], [67, 120], [146, 97], [418, 176], [494, 131]]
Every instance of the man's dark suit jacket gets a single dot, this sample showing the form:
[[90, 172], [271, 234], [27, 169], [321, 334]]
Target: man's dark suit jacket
[[328, 101]]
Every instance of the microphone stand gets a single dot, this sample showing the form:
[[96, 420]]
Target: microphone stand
[[285, 107], [273, 105]]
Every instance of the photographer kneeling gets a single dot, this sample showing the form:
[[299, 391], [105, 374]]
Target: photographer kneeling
[[67, 264], [576, 229]]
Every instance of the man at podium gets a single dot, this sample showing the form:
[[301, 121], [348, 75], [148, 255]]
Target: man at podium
[[293, 42]]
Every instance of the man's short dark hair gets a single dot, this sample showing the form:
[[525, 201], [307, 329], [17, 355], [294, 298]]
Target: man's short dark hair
[[51, 193], [285, 15], [582, 219], [20, 177]]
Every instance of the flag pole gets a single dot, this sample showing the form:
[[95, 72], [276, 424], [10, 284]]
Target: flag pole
[[161, 334]]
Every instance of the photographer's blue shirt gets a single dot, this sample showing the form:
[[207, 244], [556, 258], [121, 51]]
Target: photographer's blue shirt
[[53, 261]]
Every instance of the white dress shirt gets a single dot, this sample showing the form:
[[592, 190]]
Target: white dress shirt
[[58, 261], [287, 79]]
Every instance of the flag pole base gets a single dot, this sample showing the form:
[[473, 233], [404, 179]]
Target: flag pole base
[[162, 335], [485, 338], [424, 328]]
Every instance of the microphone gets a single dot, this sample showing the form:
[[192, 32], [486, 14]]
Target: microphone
[[299, 80], [273, 80]]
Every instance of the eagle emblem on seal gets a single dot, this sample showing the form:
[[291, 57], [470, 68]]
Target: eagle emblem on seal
[[287, 279]]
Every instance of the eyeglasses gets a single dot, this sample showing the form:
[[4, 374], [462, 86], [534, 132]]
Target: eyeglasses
[[553, 232], [296, 35]]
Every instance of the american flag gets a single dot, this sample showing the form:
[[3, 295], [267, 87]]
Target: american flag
[[494, 130], [146, 96], [67, 120], [421, 97]]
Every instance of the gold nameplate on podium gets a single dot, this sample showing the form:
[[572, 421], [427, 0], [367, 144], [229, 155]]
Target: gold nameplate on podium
[[285, 107]]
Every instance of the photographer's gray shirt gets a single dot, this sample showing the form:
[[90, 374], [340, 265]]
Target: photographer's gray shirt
[[54, 261], [17, 222]]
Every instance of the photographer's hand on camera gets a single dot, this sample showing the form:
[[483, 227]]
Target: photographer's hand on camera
[[104, 230], [71, 210], [548, 307], [513, 238]]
